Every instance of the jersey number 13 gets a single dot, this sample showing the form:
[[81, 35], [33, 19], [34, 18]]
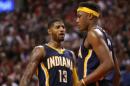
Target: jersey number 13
[[63, 76]]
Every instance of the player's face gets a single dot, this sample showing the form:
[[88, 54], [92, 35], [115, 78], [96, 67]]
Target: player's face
[[58, 31], [82, 20]]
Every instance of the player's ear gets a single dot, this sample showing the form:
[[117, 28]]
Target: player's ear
[[90, 16]]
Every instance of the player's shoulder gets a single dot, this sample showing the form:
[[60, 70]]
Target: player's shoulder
[[72, 52], [95, 33], [95, 36], [37, 53], [39, 48]]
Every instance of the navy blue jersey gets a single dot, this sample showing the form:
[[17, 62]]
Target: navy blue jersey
[[56, 68], [88, 60]]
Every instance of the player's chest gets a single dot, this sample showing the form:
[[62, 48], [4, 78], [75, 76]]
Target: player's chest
[[86, 44]]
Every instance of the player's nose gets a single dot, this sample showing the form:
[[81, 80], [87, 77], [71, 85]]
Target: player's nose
[[77, 20], [62, 28]]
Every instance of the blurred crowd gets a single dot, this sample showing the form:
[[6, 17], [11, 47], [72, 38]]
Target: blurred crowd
[[26, 27]]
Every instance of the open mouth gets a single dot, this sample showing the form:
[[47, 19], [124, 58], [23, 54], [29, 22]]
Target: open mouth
[[62, 34]]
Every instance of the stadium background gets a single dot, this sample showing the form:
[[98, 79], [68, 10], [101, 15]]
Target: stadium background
[[24, 25]]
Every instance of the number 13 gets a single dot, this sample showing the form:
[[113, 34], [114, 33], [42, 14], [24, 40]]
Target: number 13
[[63, 76]]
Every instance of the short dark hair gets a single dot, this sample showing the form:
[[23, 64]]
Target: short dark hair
[[52, 21], [91, 5]]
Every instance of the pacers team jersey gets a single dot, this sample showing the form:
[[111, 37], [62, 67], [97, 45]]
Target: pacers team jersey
[[88, 60], [56, 68]]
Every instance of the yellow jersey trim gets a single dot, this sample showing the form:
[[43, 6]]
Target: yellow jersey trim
[[88, 10], [61, 51], [46, 74], [86, 61], [75, 77]]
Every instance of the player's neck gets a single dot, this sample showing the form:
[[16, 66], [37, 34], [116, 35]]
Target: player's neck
[[55, 44], [92, 26]]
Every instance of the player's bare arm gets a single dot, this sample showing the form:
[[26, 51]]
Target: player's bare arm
[[116, 81], [95, 39], [35, 58]]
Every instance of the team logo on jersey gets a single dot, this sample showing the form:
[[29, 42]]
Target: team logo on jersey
[[59, 61]]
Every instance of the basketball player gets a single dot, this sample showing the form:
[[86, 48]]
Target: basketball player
[[96, 60], [55, 65]]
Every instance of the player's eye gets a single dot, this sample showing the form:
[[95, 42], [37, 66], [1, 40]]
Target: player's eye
[[58, 26], [63, 26]]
